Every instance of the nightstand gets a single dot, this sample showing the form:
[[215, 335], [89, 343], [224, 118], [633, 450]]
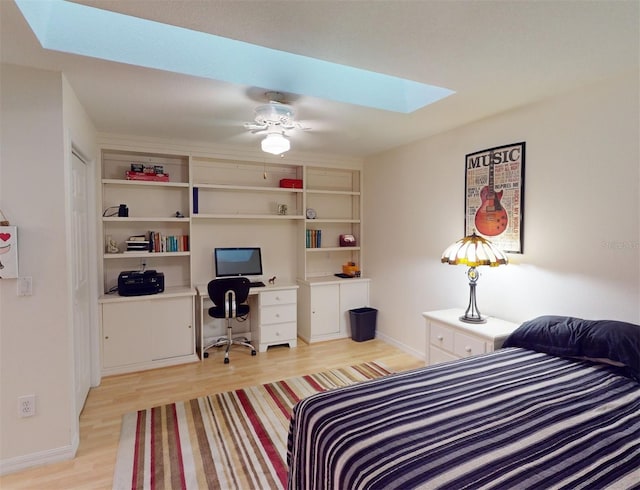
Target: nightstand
[[449, 338]]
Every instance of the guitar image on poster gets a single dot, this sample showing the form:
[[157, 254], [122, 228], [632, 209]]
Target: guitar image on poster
[[491, 218]]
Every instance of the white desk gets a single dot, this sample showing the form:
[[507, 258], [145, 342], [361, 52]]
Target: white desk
[[273, 314]]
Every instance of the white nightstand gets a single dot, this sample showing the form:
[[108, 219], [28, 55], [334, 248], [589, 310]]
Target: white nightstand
[[449, 338]]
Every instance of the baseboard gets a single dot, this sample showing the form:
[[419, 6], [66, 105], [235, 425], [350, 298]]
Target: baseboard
[[19, 463], [402, 347]]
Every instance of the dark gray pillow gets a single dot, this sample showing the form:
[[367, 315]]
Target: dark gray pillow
[[609, 341]]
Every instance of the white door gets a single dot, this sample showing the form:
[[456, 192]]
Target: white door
[[81, 295]]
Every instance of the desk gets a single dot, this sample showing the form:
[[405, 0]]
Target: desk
[[273, 312]]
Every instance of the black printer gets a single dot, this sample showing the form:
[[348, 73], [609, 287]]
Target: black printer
[[140, 283]]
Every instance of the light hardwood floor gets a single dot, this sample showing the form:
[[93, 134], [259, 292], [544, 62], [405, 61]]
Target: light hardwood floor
[[100, 420]]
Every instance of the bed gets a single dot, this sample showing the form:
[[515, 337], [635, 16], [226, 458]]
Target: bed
[[557, 407]]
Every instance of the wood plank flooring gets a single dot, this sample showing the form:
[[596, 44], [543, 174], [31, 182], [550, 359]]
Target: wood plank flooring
[[100, 420]]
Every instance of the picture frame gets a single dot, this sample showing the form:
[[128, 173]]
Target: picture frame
[[494, 195], [8, 252]]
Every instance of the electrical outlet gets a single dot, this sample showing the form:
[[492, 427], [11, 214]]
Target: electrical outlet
[[27, 405]]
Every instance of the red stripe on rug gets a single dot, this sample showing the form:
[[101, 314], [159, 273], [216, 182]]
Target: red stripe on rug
[[276, 399], [263, 437], [309, 379]]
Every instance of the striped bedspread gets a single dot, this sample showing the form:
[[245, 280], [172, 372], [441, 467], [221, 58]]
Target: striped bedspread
[[511, 419]]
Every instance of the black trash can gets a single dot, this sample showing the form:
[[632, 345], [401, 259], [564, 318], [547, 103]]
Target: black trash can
[[363, 323]]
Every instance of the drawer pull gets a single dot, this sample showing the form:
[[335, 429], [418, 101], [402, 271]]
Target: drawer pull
[[277, 315], [440, 338], [468, 349]]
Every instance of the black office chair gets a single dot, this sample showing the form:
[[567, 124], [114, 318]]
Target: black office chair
[[229, 296]]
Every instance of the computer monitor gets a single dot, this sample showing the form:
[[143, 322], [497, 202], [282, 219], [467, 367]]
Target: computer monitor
[[238, 261]]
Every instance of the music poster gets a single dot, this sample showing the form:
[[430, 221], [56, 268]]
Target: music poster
[[494, 195]]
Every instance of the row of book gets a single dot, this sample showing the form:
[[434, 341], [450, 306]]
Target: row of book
[[157, 242], [314, 238]]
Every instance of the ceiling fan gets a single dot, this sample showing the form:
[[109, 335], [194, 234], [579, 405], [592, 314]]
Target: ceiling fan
[[274, 118]]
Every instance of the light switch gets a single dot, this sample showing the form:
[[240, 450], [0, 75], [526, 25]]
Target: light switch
[[25, 286]]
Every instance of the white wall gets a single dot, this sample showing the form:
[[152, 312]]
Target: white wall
[[36, 351], [581, 216]]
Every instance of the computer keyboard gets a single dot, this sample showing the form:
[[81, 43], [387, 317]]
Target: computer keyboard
[[256, 284]]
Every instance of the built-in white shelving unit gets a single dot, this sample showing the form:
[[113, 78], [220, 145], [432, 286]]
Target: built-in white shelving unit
[[221, 202]]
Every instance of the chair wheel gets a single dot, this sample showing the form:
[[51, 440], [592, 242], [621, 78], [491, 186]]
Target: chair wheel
[[226, 360], [253, 352], [205, 355]]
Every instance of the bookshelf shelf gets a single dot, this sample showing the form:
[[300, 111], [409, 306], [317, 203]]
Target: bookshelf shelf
[[143, 183], [331, 192], [246, 188], [144, 255], [247, 216], [144, 219], [333, 249]]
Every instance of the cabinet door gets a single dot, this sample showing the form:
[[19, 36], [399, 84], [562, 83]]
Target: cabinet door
[[352, 295], [325, 304], [125, 335], [171, 327]]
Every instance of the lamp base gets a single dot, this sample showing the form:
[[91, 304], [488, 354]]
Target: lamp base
[[472, 314], [472, 319]]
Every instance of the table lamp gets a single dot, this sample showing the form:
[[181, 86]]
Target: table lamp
[[473, 250]]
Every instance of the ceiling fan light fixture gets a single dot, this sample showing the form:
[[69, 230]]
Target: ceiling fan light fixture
[[275, 143]]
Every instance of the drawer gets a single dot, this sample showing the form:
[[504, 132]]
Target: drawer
[[278, 314], [438, 355], [281, 332], [465, 345], [280, 297], [441, 337]]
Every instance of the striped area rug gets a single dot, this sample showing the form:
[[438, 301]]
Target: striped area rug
[[232, 440]]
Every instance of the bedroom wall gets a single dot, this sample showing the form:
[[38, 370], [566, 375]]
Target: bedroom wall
[[40, 116], [581, 216]]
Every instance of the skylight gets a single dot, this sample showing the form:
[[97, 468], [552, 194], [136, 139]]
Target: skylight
[[69, 27]]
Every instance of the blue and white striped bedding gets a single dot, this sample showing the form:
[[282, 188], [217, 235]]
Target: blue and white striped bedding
[[509, 419]]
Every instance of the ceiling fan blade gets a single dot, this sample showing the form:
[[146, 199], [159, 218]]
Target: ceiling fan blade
[[255, 126]]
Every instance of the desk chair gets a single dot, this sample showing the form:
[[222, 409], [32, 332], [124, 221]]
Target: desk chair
[[229, 296]]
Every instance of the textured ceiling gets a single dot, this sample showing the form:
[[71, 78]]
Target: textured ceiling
[[496, 55]]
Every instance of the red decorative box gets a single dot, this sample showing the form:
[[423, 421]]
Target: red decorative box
[[347, 241], [291, 183], [131, 175]]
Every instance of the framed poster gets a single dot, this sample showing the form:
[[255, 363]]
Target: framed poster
[[8, 252], [494, 195]]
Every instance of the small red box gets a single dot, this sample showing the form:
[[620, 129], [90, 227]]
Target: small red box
[[291, 183]]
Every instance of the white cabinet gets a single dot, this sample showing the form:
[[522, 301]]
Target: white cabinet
[[144, 333], [449, 338], [324, 304], [276, 318]]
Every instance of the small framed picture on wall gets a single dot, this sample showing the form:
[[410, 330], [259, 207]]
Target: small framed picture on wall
[[494, 195], [8, 252]]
